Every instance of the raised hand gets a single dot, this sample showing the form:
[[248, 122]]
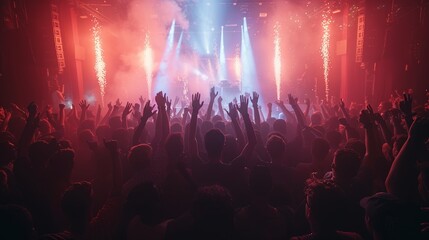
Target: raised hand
[[32, 109], [148, 111], [307, 102], [244, 104], [341, 104], [292, 101], [343, 122], [136, 108], [142, 100], [280, 104], [109, 106], [196, 105], [127, 110], [167, 101], [61, 106], [83, 105], [118, 103], [232, 113], [176, 101], [270, 105], [213, 94], [367, 117], [219, 99], [255, 99], [406, 105], [48, 110], [160, 100]]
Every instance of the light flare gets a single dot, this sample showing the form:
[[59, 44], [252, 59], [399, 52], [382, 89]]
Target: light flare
[[237, 67], [148, 64], [277, 59], [326, 37], [100, 65]]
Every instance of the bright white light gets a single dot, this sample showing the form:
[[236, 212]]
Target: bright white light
[[100, 65]]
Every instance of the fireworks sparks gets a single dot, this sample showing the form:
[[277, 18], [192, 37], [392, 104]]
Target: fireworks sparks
[[325, 51], [277, 58], [100, 65], [148, 64]]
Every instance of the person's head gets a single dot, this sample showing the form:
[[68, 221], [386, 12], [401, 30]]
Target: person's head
[[61, 164], [276, 147], [334, 138], [356, 145], [176, 128], [213, 212], [7, 153], [45, 127], [115, 122], [88, 124], [145, 201], [122, 136], [103, 132], [324, 203], [260, 181], [220, 125], [16, 223], [174, 146], [86, 136], [230, 150], [140, 156], [214, 141], [39, 153], [205, 127], [280, 126], [346, 164], [316, 119], [76, 204], [319, 149], [216, 118], [387, 217]]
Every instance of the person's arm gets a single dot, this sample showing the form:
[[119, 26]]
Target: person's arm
[[127, 110], [166, 120], [148, 112], [233, 115], [29, 129], [270, 110], [406, 107], [247, 151], [262, 113], [387, 134], [196, 106], [98, 116], [168, 104], [220, 107], [84, 107], [254, 101], [142, 102], [61, 119], [402, 178], [17, 110], [396, 120], [374, 158], [290, 116], [307, 108], [213, 95], [108, 114], [185, 117], [6, 120], [298, 112], [344, 110], [50, 117]]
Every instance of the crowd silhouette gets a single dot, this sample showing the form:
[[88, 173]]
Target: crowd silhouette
[[207, 169]]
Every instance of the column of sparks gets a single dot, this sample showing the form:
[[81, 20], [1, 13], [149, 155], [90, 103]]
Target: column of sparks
[[277, 59], [100, 65]]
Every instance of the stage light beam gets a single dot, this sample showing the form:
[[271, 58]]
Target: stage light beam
[[148, 64], [277, 59], [222, 58]]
